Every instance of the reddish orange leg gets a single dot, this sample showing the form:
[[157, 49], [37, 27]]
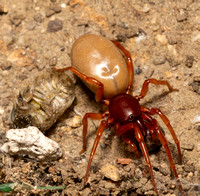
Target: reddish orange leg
[[100, 130], [152, 132], [99, 92], [146, 83], [167, 123], [166, 146], [143, 147], [121, 130], [94, 116], [129, 64], [132, 145]]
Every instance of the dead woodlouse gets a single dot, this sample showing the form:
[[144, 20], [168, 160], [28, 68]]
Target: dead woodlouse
[[43, 100]]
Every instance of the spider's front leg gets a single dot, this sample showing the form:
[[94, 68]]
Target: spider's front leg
[[121, 130]]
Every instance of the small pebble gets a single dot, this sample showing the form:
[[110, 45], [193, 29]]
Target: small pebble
[[181, 16], [121, 38], [50, 12], [109, 185], [143, 7], [140, 36], [146, 8], [173, 186], [6, 66], [86, 191], [140, 183], [110, 172], [189, 61], [53, 10], [103, 145], [148, 186], [190, 175], [53, 61], [31, 26], [171, 39], [198, 128], [186, 187], [168, 74], [196, 84], [123, 161], [26, 168], [74, 3], [198, 147], [57, 9], [132, 32], [173, 62], [138, 70], [74, 121], [196, 36], [172, 50], [62, 48], [159, 59], [52, 170], [3, 9], [187, 146], [16, 19], [55, 25], [138, 173], [162, 39], [164, 169], [189, 167], [38, 18]]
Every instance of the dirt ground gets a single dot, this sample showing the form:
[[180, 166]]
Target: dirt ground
[[163, 38]]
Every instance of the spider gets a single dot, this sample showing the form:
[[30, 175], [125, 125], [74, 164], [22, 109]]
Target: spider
[[94, 61]]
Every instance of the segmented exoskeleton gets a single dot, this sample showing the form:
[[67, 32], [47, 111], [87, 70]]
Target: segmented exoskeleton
[[43, 100]]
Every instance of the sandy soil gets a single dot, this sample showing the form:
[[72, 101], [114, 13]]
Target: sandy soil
[[164, 40]]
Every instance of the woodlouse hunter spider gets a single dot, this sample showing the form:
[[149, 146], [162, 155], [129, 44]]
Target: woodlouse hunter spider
[[101, 66]]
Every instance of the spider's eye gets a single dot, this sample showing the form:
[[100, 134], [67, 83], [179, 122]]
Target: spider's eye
[[131, 117]]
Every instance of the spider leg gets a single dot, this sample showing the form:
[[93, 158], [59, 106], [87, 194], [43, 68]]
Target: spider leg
[[131, 144], [94, 116], [167, 123], [91, 80], [152, 132], [99, 133], [146, 83], [166, 146], [143, 147], [129, 64]]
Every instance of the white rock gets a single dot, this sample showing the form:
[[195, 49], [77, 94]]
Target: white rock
[[162, 39], [110, 172], [196, 119], [32, 142], [74, 121]]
